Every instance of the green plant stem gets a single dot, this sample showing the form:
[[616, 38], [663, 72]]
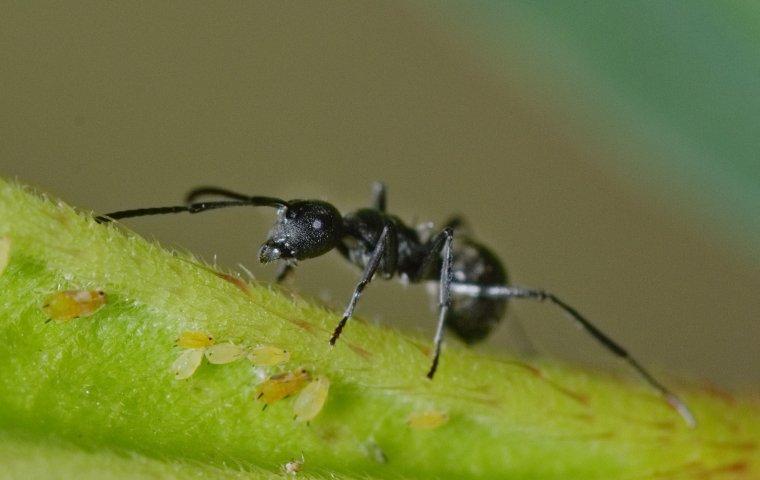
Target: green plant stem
[[102, 383]]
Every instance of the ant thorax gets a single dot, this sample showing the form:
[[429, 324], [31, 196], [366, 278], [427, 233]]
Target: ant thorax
[[355, 251]]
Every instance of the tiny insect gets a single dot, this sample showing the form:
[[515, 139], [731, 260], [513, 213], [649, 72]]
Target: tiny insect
[[312, 398], [293, 467], [198, 344], [194, 339], [5, 253], [268, 356], [469, 281], [70, 304], [282, 385], [187, 363], [427, 420], [222, 353]]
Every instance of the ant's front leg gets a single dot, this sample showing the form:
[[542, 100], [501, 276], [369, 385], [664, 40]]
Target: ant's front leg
[[385, 249]]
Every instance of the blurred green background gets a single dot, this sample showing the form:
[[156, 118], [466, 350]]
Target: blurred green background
[[608, 151]]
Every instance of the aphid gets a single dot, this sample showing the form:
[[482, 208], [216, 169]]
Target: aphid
[[293, 467], [312, 398], [198, 344], [195, 339], [282, 385], [268, 355], [427, 420], [222, 353], [187, 363], [5, 253], [70, 304], [472, 285]]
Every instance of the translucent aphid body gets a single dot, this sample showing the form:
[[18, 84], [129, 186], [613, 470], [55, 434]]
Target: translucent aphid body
[[222, 353], [293, 467], [277, 387], [195, 339], [427, 420], [70, 304], [312, 398], [268, 355], [5, 253], [187, 363]]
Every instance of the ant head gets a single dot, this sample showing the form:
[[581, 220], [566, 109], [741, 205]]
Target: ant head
[[304, 229]]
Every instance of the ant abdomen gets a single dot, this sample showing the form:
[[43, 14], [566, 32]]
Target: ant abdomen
[[472, 318]]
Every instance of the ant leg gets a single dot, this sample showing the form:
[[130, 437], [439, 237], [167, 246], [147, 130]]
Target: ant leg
[[378, 196], [441, 244], [284, 271], [385, 248], [506, 292]]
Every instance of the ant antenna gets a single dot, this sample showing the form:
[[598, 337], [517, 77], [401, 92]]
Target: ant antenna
[[239, 200], [193, 195]]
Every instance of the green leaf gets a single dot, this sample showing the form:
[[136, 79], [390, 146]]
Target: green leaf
[[96, 394]]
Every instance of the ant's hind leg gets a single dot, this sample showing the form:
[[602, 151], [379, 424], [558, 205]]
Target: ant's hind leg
[[507, 292]]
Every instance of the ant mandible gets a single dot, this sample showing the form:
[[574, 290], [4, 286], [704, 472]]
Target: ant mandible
[[473, 288]]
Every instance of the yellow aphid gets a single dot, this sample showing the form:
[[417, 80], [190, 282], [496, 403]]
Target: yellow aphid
[[187, 363], [268, 355], [311, 399], [224, 353], [195, 339], [427, 420], [283, 385], [70, 304], [5, 252]]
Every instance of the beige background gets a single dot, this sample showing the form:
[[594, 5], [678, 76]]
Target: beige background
[[119, 107]]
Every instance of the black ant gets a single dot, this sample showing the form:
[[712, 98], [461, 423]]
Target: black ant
[[473, 288]]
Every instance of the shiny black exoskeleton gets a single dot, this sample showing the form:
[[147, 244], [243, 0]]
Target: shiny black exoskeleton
[[472, 285]]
